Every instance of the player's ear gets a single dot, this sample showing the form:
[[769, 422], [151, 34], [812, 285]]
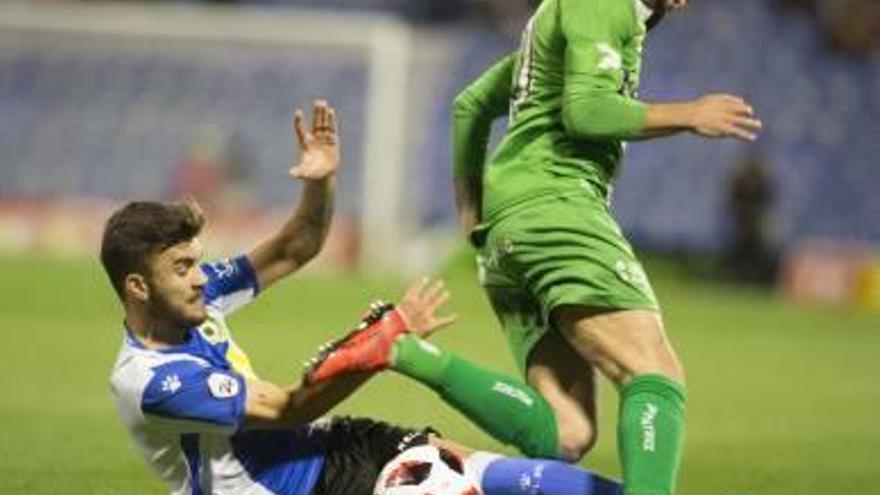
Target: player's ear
[[136, 287]]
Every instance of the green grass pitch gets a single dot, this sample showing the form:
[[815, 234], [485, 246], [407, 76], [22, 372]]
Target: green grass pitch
[[783, 399]]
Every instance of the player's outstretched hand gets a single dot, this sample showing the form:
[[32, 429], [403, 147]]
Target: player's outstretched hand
[[319, 147], [724, 116], [419, 306]]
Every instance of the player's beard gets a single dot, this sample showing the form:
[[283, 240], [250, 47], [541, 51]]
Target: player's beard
[[659, 9], [163, 309]]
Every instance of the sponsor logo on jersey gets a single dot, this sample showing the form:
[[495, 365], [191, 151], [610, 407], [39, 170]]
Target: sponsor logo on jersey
[[611, 59], [223, 386]]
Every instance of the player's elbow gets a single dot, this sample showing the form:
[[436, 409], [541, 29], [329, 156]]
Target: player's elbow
[[305, 244], [582, 119], [271, 416], [288, 256], [572, 125], [271, 406], [305, 251], [465, 105]]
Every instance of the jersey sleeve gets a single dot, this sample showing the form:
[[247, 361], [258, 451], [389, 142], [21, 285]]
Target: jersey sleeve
[[474, 110], [595, 103], [188, 397], [232, 283]]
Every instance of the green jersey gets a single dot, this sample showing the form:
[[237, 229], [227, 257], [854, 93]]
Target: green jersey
[[570, 94]]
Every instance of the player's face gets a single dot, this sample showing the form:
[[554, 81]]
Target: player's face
[[176, 284]]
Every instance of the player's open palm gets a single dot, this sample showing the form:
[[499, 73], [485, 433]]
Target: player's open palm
[[724, 116], [419, 306], [319, 155]]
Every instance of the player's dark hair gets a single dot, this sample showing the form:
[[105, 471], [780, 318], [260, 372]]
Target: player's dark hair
[[142, 229]]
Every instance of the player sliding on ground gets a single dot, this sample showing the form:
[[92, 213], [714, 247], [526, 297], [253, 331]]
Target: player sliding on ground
[[564, 282], [196, 409]]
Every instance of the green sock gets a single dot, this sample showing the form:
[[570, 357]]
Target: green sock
[[503, 406], [650, 433]]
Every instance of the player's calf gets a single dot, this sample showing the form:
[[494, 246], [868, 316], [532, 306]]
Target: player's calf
[[631, 349]]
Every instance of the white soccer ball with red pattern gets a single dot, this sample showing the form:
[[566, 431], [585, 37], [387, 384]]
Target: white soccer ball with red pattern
[[425, 470]]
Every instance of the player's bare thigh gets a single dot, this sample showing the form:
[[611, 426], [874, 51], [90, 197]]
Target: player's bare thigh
[[568, 384], [621, 344]]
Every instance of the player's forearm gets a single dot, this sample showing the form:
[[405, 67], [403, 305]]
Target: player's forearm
[[470, 138], [307, 230], [665, 119], [711, 116], [471, 128], [468, 202], [270, 406], [301, 238], [308, 403], [595, 115], [473, 112], [620, 118]]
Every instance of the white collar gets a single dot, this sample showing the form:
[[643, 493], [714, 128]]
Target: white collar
[[643, 12]]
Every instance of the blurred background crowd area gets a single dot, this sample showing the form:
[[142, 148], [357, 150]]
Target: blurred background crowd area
[[91, 115], [849, 25]]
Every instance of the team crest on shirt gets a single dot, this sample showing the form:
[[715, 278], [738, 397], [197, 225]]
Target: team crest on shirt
[[214, 330], [223, 386]]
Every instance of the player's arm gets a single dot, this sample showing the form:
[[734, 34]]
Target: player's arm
[[300, 238], [189, 397], [596, 107], [271, 406], [711, 116], [473, 112]]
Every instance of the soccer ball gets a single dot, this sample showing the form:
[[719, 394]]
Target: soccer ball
[[425, 470]]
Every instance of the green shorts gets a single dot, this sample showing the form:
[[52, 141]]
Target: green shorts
[[564, 251]]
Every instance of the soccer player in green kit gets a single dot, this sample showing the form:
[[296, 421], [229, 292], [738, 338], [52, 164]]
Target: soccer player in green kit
[[564, 282]]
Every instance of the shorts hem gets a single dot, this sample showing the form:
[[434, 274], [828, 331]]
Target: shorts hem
[[616, 305], [607, 305]]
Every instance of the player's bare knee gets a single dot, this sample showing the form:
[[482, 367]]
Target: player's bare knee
[[666, 363], [573, 449], [666, 366], [677, 373], [576, 440]]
